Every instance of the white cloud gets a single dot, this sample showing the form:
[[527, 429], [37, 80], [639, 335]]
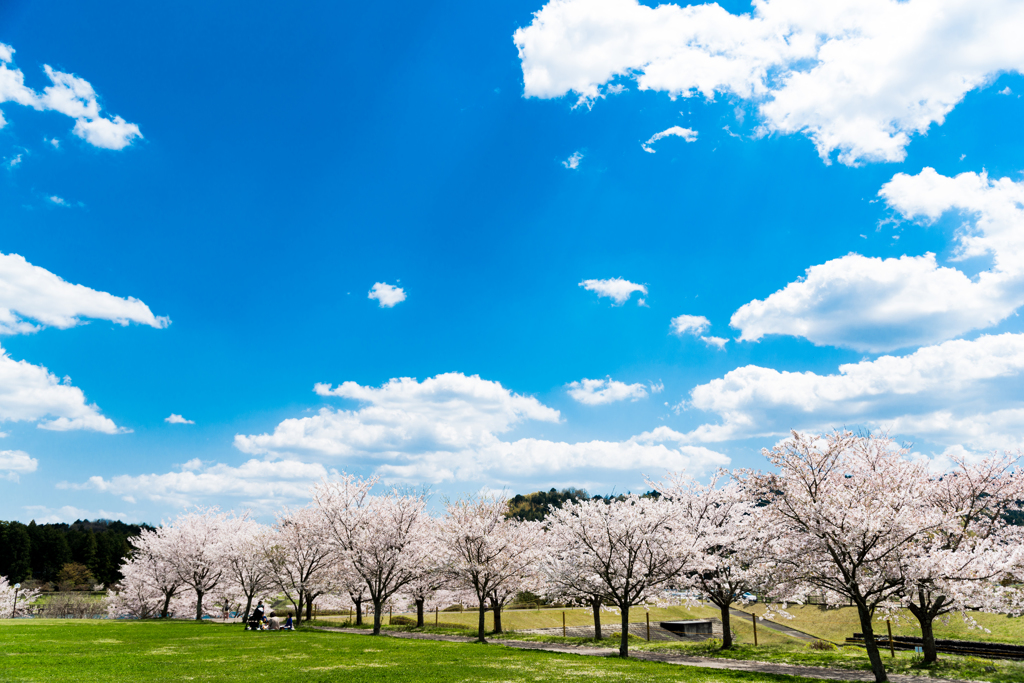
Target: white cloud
[[59, 201], [53, 141], [616, 288], [30, 393], [387, 295], [176, 419], [69, 95], [573, 162], [28, 292], [113, 133], [42, 514], [685, 133], [857, 76], [447, 428], [449, 411], [13, 463], [264, 482], [595, 392], [758, 401], [717, 342], [1006, 91], [689, 324], [874, 304], [13, 161]]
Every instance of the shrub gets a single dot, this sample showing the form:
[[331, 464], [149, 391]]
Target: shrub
[[402, 621], [453, 608], [823, 645], [70, 606], [74, 576]]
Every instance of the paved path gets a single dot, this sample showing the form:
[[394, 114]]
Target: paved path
[[668, 658]]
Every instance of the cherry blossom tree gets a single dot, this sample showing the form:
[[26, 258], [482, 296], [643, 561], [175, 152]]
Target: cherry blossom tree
[[136, 594], [963, 564], [300, 560], [15, 601], [566, 581], [195, 546], [487, 553], [247, 567], [630, 546], [728, 553], [843, 511], [383, 536], [147, 573]]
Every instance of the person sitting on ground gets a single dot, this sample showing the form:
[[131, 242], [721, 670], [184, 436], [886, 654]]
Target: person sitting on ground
[[256, 617], [288, 625], [275, 622]]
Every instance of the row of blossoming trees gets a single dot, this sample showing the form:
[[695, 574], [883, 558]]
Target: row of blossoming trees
[[850, 519]]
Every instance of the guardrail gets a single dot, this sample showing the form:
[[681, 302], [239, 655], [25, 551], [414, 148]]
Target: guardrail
[[970, 648]]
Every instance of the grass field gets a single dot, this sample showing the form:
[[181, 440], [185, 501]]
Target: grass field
[[833, 624], [520, 620], [124, 651], [839, 624]]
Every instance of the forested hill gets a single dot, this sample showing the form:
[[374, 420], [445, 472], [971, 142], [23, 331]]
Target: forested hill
[[534, 506], [40, 551]]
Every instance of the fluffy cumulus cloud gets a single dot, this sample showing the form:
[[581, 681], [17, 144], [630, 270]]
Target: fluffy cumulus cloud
[[857, 76], [689, 324], [448, 428], [616, 289], [14, 463], [907, 394], [176, 419], [69, 95], [31, 393], [875, 305], [32, 297], [677, 131], [595, 392], [258, 481], [387, 295]]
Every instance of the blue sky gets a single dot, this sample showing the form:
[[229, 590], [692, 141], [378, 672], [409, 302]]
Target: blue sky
[[270, 165]]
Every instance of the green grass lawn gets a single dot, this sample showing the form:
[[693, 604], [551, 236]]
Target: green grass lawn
[[839, 624], [833, 624], [520, 620], [124, 651]]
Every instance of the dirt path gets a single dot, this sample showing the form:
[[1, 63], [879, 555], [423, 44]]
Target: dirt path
[[668, 658]]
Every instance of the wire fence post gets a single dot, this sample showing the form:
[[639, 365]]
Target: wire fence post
[[892, 649], [563, 624], [753, 620], [435, 616], [648, 627]]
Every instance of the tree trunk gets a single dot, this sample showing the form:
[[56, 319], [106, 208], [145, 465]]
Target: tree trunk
[[359, 611], [199, 605], [931, 655], [480, 625], [726, 627], [248, 606], [298, 608], [166, 611], [309, 610], [496, 608], [419, 613], [624, 642], [596, 605], [926, 611], [870, 644], [378, 609]]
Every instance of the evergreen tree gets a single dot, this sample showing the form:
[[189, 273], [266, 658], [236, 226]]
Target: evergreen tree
[[15, 552]]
